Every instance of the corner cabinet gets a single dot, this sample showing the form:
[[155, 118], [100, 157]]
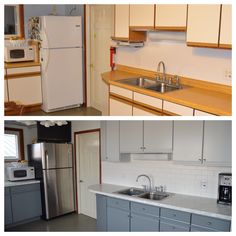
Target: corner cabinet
[[203, 25]]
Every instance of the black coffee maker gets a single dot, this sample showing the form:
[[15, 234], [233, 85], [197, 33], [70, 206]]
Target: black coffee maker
[[225, 188]]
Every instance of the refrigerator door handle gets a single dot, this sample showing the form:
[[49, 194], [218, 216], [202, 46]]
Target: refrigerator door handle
[[46, 159]]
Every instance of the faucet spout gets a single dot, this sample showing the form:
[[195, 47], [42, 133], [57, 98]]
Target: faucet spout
[[164, 70], [149, 180]]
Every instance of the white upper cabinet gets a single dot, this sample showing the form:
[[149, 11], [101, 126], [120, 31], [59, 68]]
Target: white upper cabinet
[[131, 136], [226, 27], [171, 17], [188, 141], [142, 15], [122, 21], [218, 143], [157, 136], [203, 25]]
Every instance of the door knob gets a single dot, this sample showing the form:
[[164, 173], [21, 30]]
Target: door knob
[[81, 181]]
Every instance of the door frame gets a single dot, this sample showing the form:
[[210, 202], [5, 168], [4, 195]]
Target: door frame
[[75, 161]]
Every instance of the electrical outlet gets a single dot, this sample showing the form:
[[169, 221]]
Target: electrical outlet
[[203, 184], [228, 75]]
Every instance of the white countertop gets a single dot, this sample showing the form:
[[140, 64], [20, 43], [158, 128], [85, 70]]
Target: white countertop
[[191, 204], [18, 183]]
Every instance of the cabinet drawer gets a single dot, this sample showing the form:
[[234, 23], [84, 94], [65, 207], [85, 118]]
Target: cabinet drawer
[[145, 209], [210, 222], [169, 226], [25, 188], [23, 70], [201, 229], [114, 202], [121, 91], [147, 100], [175, 215], [202, 113], [177, 109]]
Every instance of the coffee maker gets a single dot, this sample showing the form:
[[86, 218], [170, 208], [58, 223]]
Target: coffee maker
[[225, 188]]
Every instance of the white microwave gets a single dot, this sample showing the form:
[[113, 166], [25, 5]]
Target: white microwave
[[19, 53], [20, 173]]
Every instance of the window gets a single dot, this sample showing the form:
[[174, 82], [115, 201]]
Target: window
[[13, 144]]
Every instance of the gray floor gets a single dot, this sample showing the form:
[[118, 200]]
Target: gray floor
[[70, 222], [83, 111]]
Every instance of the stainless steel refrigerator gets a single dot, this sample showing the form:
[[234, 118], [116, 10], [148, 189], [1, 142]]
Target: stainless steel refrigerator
[[53, 164]]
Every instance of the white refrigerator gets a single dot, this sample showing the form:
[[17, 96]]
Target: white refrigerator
[[61, 60]]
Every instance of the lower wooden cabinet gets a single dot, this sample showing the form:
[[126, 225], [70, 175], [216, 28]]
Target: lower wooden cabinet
[[101, 202], [120, 108], [7, 207]]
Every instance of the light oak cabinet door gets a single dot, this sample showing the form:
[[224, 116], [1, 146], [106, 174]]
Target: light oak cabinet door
[[142, 15], [217, 149], [122, 21], [26, 90], [140, 112], [226, 27], [131, 136], [203, 25], [188, 136], [5, 91], [171, 17], [119, 108]]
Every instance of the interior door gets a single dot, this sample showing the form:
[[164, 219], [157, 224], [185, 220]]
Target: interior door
[[88, 170], [101, 28]]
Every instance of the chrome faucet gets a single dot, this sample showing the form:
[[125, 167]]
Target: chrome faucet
[[164, 71], [150, 182]]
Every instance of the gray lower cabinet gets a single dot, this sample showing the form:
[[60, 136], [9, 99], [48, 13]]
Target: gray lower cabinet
[[101, 212], [8, 209], [144, 218], [25, 203], [204, 223], [118, 216]]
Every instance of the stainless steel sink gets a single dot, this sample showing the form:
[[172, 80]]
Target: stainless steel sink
[[132, 192], [150, 84], [154, 196]]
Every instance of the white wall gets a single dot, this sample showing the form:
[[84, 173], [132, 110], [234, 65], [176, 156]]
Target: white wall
[[177, 178], [197, 63]]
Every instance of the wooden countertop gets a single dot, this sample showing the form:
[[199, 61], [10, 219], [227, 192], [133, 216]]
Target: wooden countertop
[[20, 64], [211, 101]]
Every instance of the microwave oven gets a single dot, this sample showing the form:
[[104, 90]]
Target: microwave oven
[[19, 53], [20, 173]]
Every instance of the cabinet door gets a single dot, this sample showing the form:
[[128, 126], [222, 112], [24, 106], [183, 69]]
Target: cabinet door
[[25, 90], [131, 136], [101, 202], [218, 143], [120, 108], [26, 202], [5, 91], [122, 21], [171, 17], [158, 136], [7, 207], [117, 220], [143, 223], [226, 27], [112, 141], [203, 25], [142, 15], [188, 136], [176, 109], [140, 112]]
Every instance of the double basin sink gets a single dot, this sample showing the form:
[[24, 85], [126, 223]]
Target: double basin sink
[[143, 194], [150, 84]]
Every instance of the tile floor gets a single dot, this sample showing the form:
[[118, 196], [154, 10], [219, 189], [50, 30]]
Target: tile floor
[[70, 222]]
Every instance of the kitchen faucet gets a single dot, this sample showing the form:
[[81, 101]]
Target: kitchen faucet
[[150, 182], [164, 71]]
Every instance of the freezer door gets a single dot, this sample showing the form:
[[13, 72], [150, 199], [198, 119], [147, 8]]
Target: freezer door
[[62, 81], [61, 31], [59, 192], [57, 155]]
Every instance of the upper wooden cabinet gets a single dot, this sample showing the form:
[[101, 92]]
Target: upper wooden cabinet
[[226, 27], [142, 16], [171, 17], [203, 25]]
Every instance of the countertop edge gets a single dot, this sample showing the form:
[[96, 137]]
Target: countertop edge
[[20, 183]]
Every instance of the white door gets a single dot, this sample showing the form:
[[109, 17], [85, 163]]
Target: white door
[[88, 170], [101, 30], [62, 82], [61, 31]]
